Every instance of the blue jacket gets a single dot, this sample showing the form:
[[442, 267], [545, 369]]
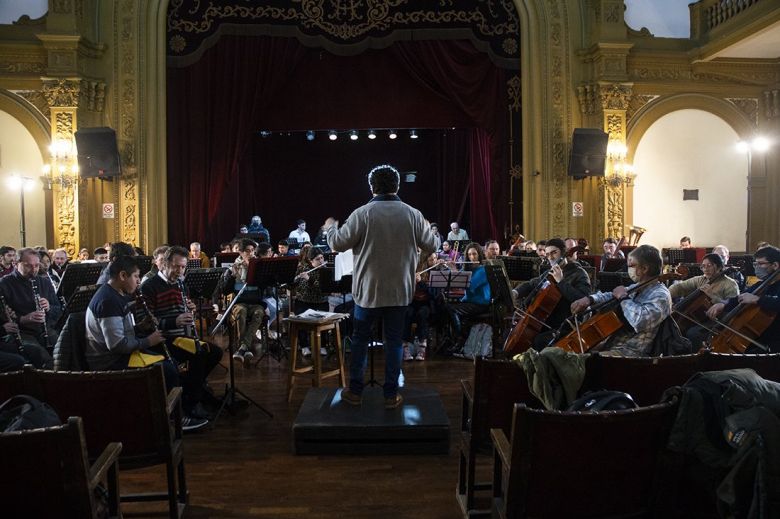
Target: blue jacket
[[479, 289]]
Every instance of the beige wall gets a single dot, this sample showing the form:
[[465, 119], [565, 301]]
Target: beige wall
[[19, 153], [691, 149]]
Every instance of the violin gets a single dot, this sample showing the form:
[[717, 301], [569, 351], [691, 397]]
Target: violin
[[545, 297], [745, 323], [606, 319]]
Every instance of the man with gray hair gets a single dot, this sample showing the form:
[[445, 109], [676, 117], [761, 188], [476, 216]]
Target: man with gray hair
[[384, 274], [644, 308]]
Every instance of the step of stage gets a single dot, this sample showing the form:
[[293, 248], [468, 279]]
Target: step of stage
[[326, 425]]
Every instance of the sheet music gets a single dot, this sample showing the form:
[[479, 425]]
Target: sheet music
[[345, 263]]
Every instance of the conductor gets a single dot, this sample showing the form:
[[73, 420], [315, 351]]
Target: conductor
[[384, 236]]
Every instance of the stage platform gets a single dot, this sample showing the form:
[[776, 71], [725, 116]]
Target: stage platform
[[326, 425]]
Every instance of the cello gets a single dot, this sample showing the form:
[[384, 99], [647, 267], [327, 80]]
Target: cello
[[546, 297], [692, 309], [745, 323], [606, 319]]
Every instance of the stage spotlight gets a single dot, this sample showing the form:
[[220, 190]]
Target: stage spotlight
[[332, 135], [310, 135], [413, 134], [265, 133], [353, 135], [371, 134], [392, 134]]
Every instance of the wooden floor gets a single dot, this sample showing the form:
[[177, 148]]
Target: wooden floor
[[244, 466]]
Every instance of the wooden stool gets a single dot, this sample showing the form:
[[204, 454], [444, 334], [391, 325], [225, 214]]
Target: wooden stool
[[314, 328]]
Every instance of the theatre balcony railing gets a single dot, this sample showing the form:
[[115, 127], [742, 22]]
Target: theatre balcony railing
[[730, 20]]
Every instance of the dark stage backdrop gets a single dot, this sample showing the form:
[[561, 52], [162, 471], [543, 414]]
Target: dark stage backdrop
[[219, 173], [316, 179]]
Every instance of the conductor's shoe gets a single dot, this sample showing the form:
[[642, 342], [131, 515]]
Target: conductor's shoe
[[350, 397], [393, 401]]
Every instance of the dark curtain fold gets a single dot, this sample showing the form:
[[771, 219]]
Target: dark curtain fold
[[245, 84], [213, 110]]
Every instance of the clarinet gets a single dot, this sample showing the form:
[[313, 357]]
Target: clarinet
[[17, 336], [181, 368], [37, 297], [190, 330]]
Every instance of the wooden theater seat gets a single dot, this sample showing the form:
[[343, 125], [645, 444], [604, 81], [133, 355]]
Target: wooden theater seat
[[562, 464], [46, 474]]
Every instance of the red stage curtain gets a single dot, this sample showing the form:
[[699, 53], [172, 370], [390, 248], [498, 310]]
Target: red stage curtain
[[245, 84]]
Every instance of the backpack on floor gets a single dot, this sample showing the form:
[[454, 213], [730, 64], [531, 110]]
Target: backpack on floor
[[23, 412], [479, 342]]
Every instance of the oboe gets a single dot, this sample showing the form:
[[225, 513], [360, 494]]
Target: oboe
[[39, 307], [17, 336], [140, 300]]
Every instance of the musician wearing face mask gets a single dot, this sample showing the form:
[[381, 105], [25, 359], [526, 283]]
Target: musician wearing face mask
[[644, 308], [165, 296], [766, 265], [572, 282], [35, 316]]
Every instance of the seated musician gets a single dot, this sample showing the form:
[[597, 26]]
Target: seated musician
[[437, 237], [732, 271], [572, 248], [100, 254], [308, 294], [718, 287], [541, 248], [610, 251], [477, 298], [249, 312], [256, 229], [644, 309], [529, 246], [59, 264], [165, 298], [158, 259], [767, 262], [685, 242], [83, 254], [283, 248], [117, 249], [572, 281], [35, 319], [448, 253], [7, 260], [492, 250], [111, 329], [421, 309], [197, 253]]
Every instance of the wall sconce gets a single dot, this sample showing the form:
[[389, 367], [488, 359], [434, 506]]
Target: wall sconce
[[618, 170], [62, 167]]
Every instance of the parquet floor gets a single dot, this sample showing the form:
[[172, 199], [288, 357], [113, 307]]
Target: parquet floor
[[244, 466]]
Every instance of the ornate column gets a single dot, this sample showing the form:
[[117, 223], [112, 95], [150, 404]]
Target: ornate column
[[617, 184], [62, 96]]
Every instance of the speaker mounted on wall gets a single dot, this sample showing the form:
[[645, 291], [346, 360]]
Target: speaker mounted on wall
[[97, 153], [588, 153]]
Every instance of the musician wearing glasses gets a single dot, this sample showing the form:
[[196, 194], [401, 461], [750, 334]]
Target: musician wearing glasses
[[645, 304], [713, 281], [571, 279], [32, 300], [165, 296], [767, 263]]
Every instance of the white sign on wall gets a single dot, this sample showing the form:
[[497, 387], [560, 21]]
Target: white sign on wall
[[577, 209], [108, 210]]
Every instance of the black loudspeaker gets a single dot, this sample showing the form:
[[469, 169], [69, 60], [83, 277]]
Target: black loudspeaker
[[98, 153], [588, 153]]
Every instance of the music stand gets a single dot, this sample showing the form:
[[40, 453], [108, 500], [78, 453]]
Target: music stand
[[449, 280], [615, 265], [201, 284], [193, 263], [226, 259], [78, 302], [608, 281], [694, 269], [273, 273], [78, 275]]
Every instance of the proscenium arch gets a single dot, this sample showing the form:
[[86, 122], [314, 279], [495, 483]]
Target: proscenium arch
[[653, 111], [33, 121]]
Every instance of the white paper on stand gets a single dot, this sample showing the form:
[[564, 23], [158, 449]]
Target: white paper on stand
[[344, 264]]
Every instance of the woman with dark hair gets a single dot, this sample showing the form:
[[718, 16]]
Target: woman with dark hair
[[713, 281], [420, 309], [307, 291], [477, 298]]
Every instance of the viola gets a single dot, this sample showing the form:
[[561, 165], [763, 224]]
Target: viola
[[544, 300], [606, 319], [745, 323]]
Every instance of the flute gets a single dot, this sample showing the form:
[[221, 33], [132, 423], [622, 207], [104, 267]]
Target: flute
[[315, 268]]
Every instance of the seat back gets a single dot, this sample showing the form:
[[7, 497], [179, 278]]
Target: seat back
[[70, 350], [12, 383], [644, 378], [586, 464], [766, 365], [45, 473], [117, 406], [498, 385]]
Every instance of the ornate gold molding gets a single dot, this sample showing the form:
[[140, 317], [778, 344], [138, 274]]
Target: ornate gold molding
[[62, 92], [615, 96], [746, 105]]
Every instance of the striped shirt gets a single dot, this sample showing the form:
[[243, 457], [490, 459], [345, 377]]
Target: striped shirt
[[644, 311], [165, 302]]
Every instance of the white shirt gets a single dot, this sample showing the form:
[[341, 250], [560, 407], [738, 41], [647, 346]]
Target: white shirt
[[299, 235]]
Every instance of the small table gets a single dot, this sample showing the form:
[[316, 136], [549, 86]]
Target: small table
[[314, 327]]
